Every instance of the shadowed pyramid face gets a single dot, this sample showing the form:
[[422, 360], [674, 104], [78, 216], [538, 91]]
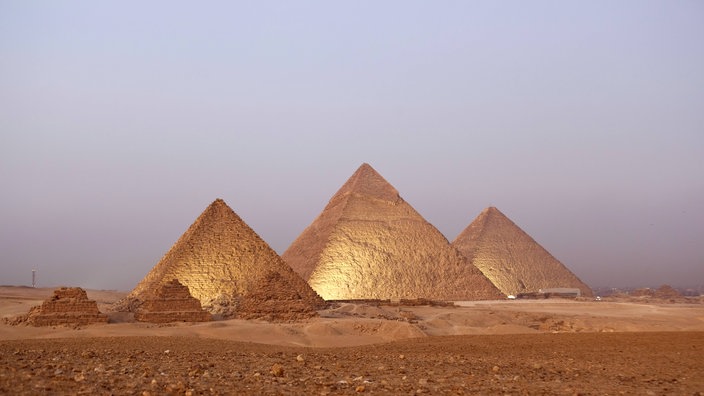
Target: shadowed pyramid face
[[510, 258], [221, 256], [369, 243]]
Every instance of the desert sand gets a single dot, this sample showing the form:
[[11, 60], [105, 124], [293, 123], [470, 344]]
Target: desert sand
[[486, 347]]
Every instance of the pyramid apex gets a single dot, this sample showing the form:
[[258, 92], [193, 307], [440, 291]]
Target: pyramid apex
[[365, 168], [218, 203], [492, 210], [367, 181]]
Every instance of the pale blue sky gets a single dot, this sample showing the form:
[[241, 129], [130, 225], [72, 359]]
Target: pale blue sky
[[121, 121]]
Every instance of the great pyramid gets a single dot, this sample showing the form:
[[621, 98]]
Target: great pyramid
[[368, 243], [510, 258], [223, 261]]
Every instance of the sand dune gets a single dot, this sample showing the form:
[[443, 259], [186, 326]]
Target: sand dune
[[360, 324]]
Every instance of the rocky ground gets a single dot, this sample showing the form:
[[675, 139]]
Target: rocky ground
[[651, 363]]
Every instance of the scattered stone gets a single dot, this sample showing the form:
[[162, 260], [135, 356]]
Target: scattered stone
[[277, 370], [659, 362]]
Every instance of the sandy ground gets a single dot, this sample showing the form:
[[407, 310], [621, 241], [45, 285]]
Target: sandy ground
[[511, 347], [356, 324]]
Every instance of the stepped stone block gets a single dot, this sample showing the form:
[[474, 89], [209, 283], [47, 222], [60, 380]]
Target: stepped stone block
[[172, 303], [68, 306]]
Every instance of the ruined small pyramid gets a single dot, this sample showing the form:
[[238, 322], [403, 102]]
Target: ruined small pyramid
[[510, 258], [368, 243], [222, 261], [172, 302], [68, 306]]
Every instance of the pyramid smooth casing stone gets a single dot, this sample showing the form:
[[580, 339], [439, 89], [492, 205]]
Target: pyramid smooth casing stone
[[222, 261], [511, 258], [368, 243], [172, 303], [68, 306]]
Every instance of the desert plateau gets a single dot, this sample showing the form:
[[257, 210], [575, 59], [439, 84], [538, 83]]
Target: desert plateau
[[551, 346]]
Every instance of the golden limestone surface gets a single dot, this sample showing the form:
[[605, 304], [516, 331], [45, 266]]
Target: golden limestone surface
[[223, 261], [511, 259], [172, 303], [68, 306], [368, 243]]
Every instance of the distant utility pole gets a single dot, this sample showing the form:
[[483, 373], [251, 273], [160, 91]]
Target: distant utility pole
[[34, 278]]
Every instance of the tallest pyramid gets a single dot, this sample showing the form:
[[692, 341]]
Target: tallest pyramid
[[368, 243]]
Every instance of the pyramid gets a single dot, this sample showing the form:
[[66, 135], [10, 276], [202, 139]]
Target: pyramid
[[510, 258], [172, 303], [368, 243], [68, 306], [222, 261]]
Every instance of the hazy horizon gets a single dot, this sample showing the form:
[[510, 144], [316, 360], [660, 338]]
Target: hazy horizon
[[121, 122]]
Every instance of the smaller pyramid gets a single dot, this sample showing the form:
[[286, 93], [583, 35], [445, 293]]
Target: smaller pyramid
[[272, 299], [68, 306], [511, 259], [368, 243], [172, 303], [223, 263]]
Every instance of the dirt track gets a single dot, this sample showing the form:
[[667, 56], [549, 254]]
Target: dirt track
[[569, 363]]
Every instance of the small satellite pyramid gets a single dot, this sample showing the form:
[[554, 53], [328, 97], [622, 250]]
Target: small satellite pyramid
[[511, 259], [68, 306], [368, 243], [172, 303], [223, 261]]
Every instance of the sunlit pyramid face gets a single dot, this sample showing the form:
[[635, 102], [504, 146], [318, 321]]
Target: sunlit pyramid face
[[511, 259], [368, 243]]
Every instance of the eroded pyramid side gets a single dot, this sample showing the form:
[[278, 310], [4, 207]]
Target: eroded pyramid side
[[304, 254], [511, 258]]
